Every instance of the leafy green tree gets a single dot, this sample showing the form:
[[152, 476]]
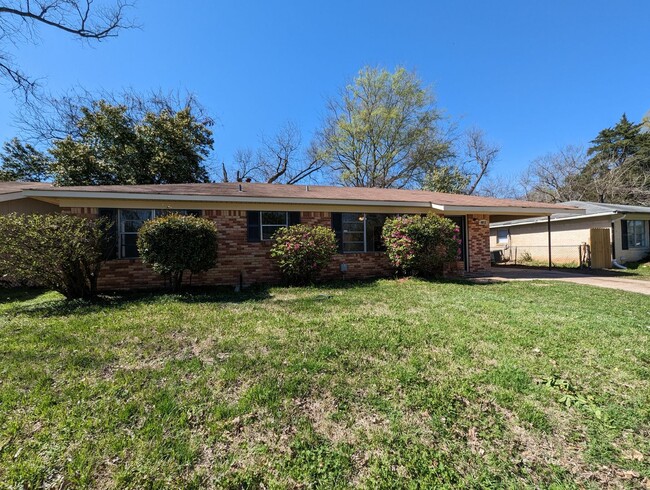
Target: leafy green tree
[[23, 162], [619, 165], [383, 131], [57, 251], [110, 146], [176, 243]]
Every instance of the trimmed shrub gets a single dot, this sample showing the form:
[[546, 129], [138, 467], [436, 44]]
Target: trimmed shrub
[[57, 251], [302, 251], [421, 245], [175, 243]]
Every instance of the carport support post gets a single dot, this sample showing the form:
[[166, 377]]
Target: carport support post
[[548, 226]]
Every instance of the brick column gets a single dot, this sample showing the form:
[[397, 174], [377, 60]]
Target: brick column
[[479, 242]]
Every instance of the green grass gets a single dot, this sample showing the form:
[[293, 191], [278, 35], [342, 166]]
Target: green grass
[[636, 270], [386, 384]]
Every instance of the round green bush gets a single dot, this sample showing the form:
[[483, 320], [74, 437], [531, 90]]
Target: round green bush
[[175, 243], [302, 251], [421, 245]]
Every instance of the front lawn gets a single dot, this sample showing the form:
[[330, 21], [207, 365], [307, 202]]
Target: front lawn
[[636, 270], [386, 384]]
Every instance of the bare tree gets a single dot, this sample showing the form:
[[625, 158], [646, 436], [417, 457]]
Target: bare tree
[[555, 177], [279, 160], [84, 19], [480, 156], [51, 118], [500, 187]]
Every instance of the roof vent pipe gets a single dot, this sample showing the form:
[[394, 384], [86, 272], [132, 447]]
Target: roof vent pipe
[[240, 188], [307, 188]]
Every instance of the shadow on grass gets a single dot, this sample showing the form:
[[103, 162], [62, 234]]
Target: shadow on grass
[[11, 295], [119, 300]]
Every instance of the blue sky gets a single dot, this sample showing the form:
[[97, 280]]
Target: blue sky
[[533, 75]]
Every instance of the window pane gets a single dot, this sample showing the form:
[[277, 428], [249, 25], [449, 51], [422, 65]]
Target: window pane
[[374, 225], [352, 247], [129, 247], [353, 237], [636, 233], [135, 214], [357, 226], [132, 226], [268, 231], [274, 218]]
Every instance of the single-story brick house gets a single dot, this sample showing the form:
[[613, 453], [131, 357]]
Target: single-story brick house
[[247, 214], [629, 232]]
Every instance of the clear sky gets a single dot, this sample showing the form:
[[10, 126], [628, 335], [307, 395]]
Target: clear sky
[[533, 75]]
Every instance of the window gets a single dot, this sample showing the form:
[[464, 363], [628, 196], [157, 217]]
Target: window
[[263, 224], [361, 232], [636, 236], [129, 223], [502, 236], [272, 221]]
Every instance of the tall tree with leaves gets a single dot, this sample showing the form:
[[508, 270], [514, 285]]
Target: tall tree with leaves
[[111, 146], [22, 162], [619, 166], [383, 131]]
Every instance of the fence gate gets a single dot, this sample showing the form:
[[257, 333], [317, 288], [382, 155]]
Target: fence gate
[[601, 249]]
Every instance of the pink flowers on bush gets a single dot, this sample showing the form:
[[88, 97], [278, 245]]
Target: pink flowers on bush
[[302, 251], [421, 244]]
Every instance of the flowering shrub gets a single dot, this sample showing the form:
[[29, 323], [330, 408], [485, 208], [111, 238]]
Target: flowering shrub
[[421, 244], [302, 251]]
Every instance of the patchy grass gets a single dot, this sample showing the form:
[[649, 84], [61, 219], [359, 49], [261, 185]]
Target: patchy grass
[[386, 384], [544, 263], [636, 270]]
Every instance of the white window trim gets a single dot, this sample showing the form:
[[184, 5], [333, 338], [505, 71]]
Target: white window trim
[[262, 225], [504, 240]]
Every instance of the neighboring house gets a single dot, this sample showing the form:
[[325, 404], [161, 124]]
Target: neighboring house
[[628, 225], [248, 214]]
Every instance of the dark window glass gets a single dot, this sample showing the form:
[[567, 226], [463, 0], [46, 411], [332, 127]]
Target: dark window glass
[[272, 221], [374, 226], [130, 222], [361, 232]]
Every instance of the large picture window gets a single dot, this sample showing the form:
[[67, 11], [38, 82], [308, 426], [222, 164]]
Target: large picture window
[[636, 234], [129, 222], [361, 232]]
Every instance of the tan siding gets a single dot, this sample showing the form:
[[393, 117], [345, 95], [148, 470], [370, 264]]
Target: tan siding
[[632, 254], [566, 236], [28, 206]]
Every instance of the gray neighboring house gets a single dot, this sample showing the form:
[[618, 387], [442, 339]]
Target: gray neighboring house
[[629, 233]]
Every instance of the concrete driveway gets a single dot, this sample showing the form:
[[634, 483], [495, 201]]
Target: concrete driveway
[[591, 279]]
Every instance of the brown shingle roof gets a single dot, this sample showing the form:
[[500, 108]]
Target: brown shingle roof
[[13, 187], [279, 191]]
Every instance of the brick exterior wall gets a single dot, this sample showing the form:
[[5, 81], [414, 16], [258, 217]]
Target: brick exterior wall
[[479, 242], [241, 261]]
